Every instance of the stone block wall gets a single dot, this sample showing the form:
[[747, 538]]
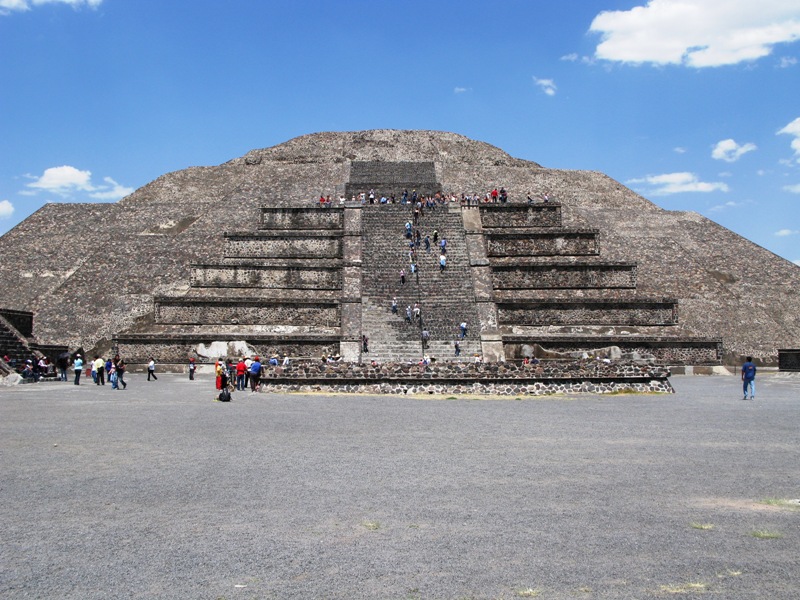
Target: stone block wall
[[247, 312], [283, 246], [20, 320], [391, 178], [588, 313], [266, 276], [521, 215], [501, 379], [555, 276], [665, 351], [580, 242], [329, 219], [173, 352]]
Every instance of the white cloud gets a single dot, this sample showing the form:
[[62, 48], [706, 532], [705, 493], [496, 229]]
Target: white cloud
[[794, 189], [696, 33], [729, 151], [548, 85], [111, 191], [679, 150], [571, 57], [785, 232], [6, 209], [793, 129], [8, 6], [63, 181], [677, 183], [459, 90], [67, 181], [787, 61], [725, 206]]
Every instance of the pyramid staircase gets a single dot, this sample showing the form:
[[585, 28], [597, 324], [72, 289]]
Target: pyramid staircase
[[445, 297]]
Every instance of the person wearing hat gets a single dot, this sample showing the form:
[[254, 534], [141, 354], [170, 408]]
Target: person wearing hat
[[255, 373], [77, 364], [192, 367]]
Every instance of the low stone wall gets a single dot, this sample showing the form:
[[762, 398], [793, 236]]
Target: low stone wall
[[267, 277], [176, 350], [665, 351], [521, 215], [496, 379], [283, 245], [555, 276], [533, 243], [588, 313], [301, 218], [247, 311]]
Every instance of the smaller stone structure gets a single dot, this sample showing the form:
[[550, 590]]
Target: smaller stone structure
[[501, 379]]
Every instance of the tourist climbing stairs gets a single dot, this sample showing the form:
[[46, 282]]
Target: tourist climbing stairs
[[445, 297]]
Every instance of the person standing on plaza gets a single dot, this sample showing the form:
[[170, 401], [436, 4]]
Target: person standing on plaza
[[77, 365], [255, 374], [241, 368], [749, 378], [192, 368], [121, 373], [151, 369]]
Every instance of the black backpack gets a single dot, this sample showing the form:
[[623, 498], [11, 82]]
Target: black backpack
[[225, 395]]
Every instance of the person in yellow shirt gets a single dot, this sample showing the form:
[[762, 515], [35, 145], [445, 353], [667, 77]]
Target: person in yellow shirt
[[100, 368]]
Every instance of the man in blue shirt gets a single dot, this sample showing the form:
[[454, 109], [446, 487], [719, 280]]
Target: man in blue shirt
[[255, 374], [749, 377]]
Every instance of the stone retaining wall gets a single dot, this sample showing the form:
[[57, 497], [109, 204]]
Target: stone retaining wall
[[20, 320], [532, 243], [302, 218], [554, 276], [283, 246], [521, 215], [588, 313], [266, 276], [137, 350], [665, 352], [549, 377], [251, 311]]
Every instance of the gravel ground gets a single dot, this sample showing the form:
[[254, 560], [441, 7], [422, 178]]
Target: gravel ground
[[159, 492]]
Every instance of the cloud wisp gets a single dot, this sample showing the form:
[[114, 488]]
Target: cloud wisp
[[676, 183], [9, 6], [793, 129], [696, 33], [66, 181], [729, 151], [548, 86], [786, 232]]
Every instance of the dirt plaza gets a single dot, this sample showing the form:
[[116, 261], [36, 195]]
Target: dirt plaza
[[160, 492]]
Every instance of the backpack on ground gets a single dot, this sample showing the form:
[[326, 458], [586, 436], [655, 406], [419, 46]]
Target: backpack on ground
[[225, 395]]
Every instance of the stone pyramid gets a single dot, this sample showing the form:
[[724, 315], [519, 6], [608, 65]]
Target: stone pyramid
[[242, 253]]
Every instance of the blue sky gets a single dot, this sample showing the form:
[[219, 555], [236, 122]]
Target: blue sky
[[694, 104]]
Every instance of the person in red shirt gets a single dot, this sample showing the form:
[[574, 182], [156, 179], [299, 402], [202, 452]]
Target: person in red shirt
[[240, 370]]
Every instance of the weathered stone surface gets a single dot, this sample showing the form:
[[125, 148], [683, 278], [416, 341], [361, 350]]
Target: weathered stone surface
[[550, 377], [154, 236]]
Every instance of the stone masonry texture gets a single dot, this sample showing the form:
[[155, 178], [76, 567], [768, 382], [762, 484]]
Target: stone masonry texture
[[727, 287]]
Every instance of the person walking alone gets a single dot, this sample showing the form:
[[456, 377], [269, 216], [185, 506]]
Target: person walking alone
[[151, 369], [749, 378]]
